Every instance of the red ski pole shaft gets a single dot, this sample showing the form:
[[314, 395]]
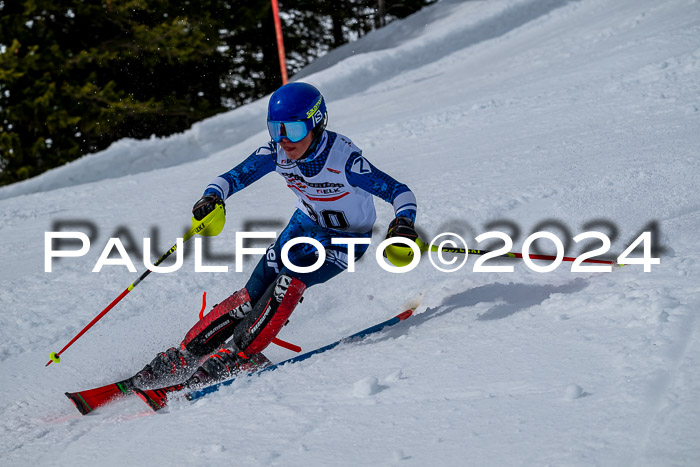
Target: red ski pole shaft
[[55, 356], [424, 247]]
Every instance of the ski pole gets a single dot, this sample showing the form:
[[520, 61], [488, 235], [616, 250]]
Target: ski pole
[[424, 247], [214, 217]]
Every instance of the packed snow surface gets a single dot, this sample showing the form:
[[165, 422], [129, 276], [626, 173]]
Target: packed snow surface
[[509, 115]]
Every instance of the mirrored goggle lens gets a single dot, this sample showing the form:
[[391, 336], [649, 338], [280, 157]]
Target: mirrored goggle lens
[[293, 131]]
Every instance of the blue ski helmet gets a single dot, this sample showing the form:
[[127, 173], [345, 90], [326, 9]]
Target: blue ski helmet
[[294, 110]]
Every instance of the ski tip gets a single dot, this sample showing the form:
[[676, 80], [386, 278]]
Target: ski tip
[[79, 403], [155, 399], [404, 315], [414, 302]]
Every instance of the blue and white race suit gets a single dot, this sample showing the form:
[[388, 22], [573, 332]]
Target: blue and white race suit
[[334, 187]]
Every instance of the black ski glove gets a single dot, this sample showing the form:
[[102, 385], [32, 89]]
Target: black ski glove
[[206, 205], [402, 227]]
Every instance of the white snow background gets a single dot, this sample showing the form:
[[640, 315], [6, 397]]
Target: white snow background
[[500, 115]]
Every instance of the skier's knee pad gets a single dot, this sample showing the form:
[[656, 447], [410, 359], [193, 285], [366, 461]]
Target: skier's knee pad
[[270, 313], [210, 332]]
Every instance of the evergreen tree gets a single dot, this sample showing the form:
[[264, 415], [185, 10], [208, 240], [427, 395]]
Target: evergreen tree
[[76, 75]]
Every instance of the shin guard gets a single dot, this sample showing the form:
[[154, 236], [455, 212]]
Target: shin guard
[[272, 311], [210, 332]]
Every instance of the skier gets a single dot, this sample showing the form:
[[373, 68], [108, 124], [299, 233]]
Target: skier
[[334, 184]]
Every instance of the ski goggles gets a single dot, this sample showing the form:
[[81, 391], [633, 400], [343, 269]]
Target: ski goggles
[[293, 131]]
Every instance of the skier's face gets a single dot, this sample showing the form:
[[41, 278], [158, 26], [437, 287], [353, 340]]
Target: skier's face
[[296, 150]]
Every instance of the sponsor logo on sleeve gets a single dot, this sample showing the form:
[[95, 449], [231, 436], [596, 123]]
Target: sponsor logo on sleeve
[[361, 166]]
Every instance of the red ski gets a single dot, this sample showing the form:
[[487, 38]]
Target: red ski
[[87, 401]]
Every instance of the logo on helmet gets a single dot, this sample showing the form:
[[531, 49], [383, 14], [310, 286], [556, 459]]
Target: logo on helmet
[[314, 109]]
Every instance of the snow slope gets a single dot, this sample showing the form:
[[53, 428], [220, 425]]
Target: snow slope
[[513, 115]]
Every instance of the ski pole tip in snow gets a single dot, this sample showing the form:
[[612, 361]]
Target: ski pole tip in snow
[[54, 358]]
